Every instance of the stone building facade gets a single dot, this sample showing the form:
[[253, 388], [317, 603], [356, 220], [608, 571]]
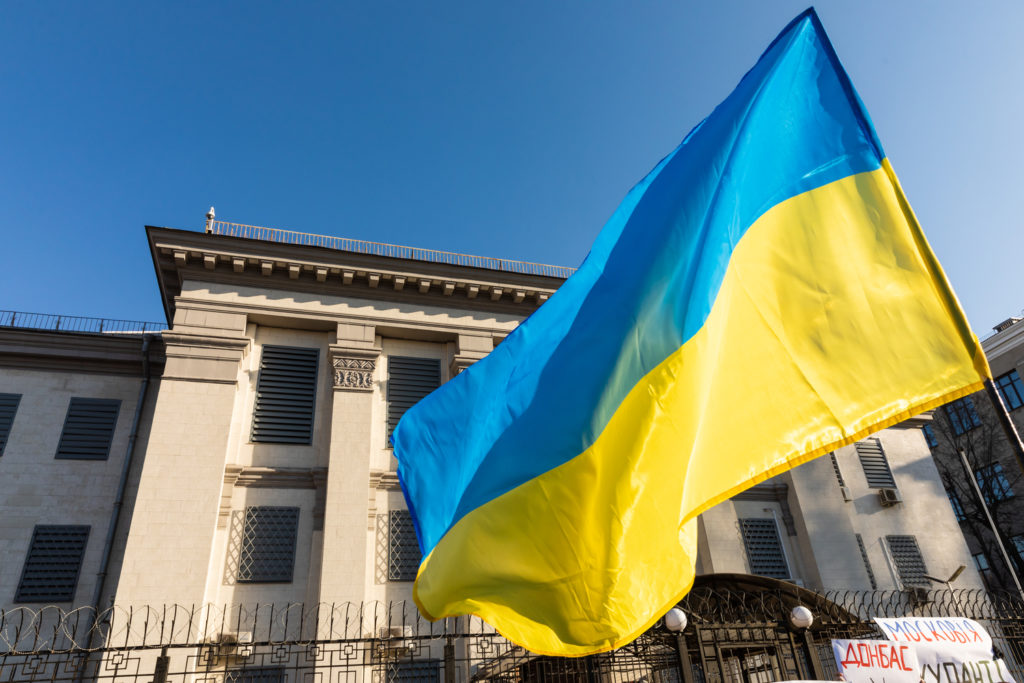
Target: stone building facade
[[250, 440], [995, 479]]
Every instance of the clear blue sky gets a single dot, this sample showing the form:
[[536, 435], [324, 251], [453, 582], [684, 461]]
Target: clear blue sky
[[503, 129]]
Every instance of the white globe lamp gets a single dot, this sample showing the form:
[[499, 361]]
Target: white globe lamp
[[801, 617], [675, 620]]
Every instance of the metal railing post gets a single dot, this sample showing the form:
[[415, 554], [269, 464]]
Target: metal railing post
[[683, 653], [163, 664], [449, 660], [812, 655]]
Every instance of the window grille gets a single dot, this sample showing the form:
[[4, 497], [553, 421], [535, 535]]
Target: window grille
[[1012, 389], [958, 507], [265, 674], [962, 416], [909, 563], [88, 429], [835, 467], [867, 562], [875, 464], [53, 563], [764, 547], [993, 483], [422, 671], [285, 395], [403, 548], [268, 544], [8, 406], [409, 380]]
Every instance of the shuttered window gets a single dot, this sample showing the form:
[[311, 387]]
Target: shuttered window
[[909, 563], [52, 565], [409, 380], [764, 547], [88, 429], [403, 548], [835, 468], [268, 544], [285, 395], [875, 464], [867, 562], [8, 407]]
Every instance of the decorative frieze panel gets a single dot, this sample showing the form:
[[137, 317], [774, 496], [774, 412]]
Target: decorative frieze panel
[[354, 373], [274, 478]]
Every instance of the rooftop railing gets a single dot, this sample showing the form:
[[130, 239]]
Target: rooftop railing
[[76, 323], [256, 232]]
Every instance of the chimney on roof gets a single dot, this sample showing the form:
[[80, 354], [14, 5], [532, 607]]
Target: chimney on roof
[[1009, 322]]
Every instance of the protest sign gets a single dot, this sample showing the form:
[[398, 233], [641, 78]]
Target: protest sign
[[876, 661], [948, 649]]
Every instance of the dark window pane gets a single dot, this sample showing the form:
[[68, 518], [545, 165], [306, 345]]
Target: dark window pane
[[8, 407], [1011, 389], [993, 483], [962, 416]]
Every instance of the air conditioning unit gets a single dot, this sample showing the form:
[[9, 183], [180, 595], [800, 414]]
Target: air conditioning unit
[[393, 644], [230, 638], [230, 646], [889, 497], [391, 632]]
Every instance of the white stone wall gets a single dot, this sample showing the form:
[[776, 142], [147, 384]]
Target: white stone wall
[[39, 489]]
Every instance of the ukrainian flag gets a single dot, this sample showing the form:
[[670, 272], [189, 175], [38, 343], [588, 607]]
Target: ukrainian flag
[[763, 296]]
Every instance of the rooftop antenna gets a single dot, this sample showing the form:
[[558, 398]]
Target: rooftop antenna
[[210, 215]]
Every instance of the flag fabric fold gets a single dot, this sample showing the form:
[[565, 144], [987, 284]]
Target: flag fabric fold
[[763, 296]]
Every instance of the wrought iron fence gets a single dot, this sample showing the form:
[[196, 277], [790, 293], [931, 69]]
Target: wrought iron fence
[[76, 323], [732, 636], [256, 232]]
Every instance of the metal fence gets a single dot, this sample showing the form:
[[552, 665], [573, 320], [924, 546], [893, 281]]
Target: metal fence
[[732, 636], [256, 232], [75, 323]]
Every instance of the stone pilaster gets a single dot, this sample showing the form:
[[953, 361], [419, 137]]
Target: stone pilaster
[[354, 361], [179, 500], [469, 348]]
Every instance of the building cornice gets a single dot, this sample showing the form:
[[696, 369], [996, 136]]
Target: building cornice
[[50, 350], [179, 255], [1008, 341]]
